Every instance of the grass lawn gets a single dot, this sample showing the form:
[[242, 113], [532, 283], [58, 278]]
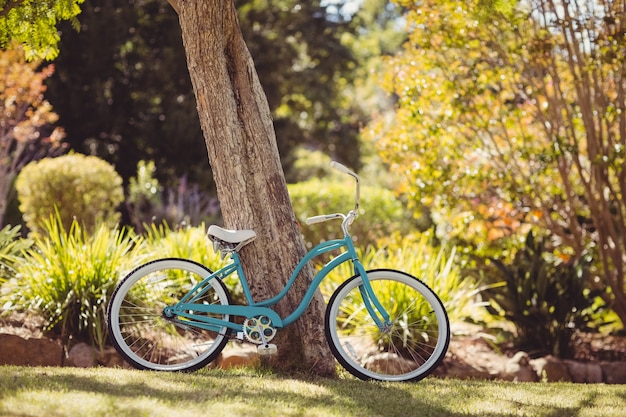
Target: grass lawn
[[28, 391]]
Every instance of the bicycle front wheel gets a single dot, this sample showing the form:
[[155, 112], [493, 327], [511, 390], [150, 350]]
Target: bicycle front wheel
[[408, 348], [145, 336]]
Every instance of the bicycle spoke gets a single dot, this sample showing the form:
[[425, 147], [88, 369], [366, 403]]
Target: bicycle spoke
[[146, 337], [408, 348]]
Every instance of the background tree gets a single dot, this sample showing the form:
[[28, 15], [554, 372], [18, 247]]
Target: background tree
[[511, 115], [134, 101], [304, 68], [25, 119], [32, 23]]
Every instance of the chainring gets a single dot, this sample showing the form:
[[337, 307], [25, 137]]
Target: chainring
[[253, 327]]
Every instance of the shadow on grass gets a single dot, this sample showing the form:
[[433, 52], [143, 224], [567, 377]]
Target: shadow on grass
[[249, 393], [437, 397]]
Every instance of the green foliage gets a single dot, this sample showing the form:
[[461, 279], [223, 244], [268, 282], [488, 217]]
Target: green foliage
[[138, 84], [192, 243], [436, 267], [148, 202], [471, 131], [309, 164], [33, 23], [453, 121], [497, 125], [185, 242], [79, 187], [547, 300], [381, 213], [377, 33], [69, 276], [11, 247], [144, 195], [305, 68]]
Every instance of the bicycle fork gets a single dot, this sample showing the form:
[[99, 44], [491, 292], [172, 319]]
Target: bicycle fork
[[372, 304]]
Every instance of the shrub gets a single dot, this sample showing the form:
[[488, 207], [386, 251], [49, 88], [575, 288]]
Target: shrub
[[68, 277], [546, 299], [309, 164], [144, 202], [380, 215], [188, 242], [79, 187], [148, 203]]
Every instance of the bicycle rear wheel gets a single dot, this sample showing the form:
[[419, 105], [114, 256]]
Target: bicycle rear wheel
[[145, 336], [409, 349]]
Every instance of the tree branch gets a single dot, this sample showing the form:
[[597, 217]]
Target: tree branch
[[12, 5], [174, 3]]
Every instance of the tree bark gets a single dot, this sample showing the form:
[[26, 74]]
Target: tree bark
[[251, 187]]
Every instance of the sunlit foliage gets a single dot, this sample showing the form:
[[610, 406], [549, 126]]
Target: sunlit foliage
[[68, 276], [511, 115], [75, 187], [454, 116], [33, 24]]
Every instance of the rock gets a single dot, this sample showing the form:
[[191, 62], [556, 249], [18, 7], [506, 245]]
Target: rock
[[16, 350], [584, 372], [472, 357], [551, 369], [518, 369], [389, 362], [82, 356], [614, 372], [454, 368]]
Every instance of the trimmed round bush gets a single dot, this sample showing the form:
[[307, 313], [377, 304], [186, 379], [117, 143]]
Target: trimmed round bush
[[85, 188]]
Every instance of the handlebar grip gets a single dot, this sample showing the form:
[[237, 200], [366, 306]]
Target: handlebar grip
[[317, 219], [324, 217], [342, 168]]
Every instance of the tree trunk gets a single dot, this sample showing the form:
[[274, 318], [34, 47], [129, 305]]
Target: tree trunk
[[251, 187]]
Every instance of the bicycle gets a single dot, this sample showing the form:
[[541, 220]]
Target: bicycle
[[177, 315]]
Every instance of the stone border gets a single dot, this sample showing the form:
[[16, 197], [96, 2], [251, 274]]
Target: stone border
[[520, 368], [16, 350]]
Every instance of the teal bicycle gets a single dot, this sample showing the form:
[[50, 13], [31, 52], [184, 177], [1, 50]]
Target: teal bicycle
[[177, 315]]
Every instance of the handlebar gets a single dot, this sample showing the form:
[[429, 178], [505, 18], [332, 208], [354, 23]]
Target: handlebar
[[323, 218], [347, 218], [342, 168]]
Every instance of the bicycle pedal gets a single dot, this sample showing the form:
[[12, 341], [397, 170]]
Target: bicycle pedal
[[268, 349]]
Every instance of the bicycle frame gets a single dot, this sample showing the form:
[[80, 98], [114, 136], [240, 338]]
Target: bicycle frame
[[186, 306]]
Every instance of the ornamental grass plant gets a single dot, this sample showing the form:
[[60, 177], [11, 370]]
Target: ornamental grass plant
[[67, 278], [11, 247], [436, 267], [187, 242]]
